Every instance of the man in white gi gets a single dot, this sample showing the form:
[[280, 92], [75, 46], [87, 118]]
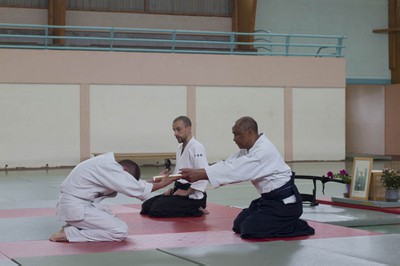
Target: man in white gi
[[90, 182], [277, 212], [184, 199]]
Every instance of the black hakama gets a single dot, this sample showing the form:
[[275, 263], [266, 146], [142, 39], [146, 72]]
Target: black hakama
[[268, 216], [174, 206]]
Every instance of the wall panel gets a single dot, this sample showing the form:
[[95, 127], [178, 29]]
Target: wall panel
[[40, 125], [318, 124], [218, 108], [134, 118], [365, 121]]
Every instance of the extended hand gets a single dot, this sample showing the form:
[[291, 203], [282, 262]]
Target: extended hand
[[163, 182], [193, 175], [166, 180]]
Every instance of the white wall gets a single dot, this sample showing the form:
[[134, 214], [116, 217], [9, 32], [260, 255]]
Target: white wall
[[218, 108], [40, 125], [59, 107], [318, 128], [134, 118]]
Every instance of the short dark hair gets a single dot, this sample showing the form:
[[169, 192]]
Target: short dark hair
[[131, 167], [248, 123], [186, 121]]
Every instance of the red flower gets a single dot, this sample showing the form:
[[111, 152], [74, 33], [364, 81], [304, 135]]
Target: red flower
[[343, 172]]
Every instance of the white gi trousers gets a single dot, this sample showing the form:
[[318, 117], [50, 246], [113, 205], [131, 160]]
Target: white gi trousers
[[98, 225]]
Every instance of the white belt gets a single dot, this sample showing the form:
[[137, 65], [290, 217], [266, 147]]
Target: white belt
[[290, 199]]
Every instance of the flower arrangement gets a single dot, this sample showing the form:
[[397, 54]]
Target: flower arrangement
[[342, 176], [390, 179]]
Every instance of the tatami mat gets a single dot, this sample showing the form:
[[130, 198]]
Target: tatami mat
[[27, 236], [348, 216], [148, 258], [27, 219], [373, 250]]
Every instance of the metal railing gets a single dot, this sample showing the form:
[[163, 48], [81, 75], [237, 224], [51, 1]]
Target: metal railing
[[28, 36]]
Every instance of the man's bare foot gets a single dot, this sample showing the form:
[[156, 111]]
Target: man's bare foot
[[59, 236], [204, 210]]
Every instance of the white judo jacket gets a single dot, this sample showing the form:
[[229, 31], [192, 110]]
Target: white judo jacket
[[93, 180], [193, 156], [263, 165]]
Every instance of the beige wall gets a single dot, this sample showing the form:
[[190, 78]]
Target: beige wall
[[77, 67], [365, 120], [125, 102], [372, 115]]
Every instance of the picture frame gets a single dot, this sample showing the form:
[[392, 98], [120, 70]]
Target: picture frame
[[361, 178]]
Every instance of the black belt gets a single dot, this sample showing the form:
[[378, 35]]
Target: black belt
[[179, 185], [281, 193]]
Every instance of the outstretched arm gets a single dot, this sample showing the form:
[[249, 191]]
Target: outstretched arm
[[163, 182], [193, 175]]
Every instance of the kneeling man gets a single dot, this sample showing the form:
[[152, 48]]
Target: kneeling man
[[90, 182], [276, 213]]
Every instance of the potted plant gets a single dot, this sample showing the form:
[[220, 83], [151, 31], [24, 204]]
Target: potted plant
[[343, 177], [390, 179]]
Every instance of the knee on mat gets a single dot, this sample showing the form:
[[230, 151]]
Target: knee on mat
[[145, 208], [120, 233], [249, 230], [144, 211]]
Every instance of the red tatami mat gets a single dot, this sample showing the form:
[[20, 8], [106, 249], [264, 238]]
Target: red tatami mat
[[19, 213], [220, 218], [328, 201], [150, 233], [39, 212]]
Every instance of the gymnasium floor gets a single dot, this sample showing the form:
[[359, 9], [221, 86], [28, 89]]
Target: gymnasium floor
[[344, 235]]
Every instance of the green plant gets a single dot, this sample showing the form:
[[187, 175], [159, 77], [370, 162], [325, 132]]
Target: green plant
[[342, 176], [390, 179]]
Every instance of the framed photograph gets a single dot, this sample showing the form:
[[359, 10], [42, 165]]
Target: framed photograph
[[361, 177]]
